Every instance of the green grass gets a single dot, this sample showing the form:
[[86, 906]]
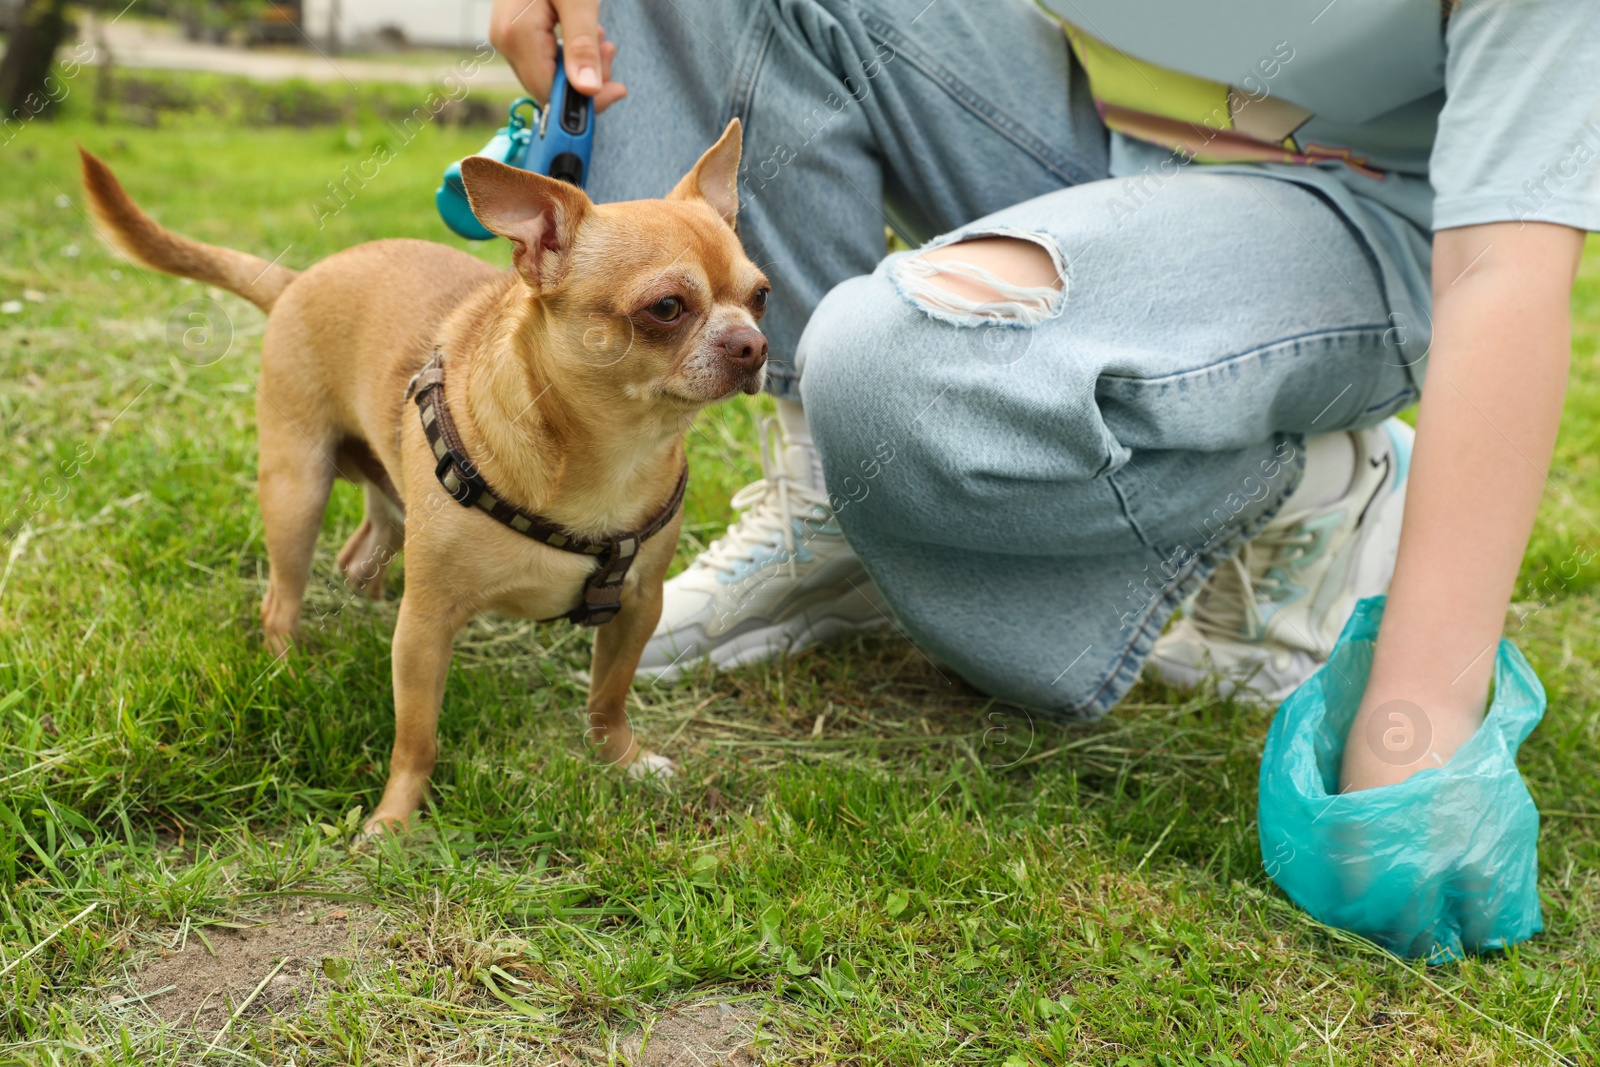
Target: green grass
[[882, 867]]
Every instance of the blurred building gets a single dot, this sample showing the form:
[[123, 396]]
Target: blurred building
[[368, 23]]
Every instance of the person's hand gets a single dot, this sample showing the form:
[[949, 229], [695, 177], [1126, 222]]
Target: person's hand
[[524, 32], [1390, 740]]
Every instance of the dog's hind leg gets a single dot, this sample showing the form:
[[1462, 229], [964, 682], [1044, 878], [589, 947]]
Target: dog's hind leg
[[296, 474], [365, 558]]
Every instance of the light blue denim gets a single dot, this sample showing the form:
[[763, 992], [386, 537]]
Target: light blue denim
[[913, 115], [1034, 501]]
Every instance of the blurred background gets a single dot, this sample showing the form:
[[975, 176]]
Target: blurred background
[[329, 25], [374, 41]]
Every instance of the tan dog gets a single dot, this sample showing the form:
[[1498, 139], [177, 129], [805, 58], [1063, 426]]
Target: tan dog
[[570, 382]]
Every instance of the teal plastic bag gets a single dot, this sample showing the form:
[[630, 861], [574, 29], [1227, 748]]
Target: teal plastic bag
[[1445, 861]]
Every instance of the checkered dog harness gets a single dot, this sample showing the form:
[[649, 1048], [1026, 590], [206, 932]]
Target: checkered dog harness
[[602, 592]]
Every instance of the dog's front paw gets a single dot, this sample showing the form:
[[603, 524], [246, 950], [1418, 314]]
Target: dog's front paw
[[652, 765], [383, 823]]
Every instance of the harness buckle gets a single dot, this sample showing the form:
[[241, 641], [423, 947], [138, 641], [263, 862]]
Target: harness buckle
[[469, 487], [586, 614]]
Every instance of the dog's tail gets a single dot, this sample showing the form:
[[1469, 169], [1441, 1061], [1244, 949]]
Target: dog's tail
[[150, 243]]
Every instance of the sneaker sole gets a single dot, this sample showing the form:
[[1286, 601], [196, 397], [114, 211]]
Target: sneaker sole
[[1188, 677], [789, 638]]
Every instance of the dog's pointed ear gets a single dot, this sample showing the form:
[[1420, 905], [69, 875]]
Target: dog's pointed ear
[[715, 179], [538, 215]]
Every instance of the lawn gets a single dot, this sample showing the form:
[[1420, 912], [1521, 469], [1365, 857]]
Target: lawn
[[862, 860]]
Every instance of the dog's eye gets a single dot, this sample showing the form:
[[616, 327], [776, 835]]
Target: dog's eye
[[667, 309], [759, 300]]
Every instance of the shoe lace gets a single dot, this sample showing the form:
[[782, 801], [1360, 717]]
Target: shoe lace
[[1234, 601], [774, 501]]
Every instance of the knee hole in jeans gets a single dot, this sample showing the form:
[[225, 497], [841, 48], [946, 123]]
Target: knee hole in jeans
[[1003, 276]]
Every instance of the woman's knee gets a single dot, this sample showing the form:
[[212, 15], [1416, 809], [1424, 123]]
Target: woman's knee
[[963, 413], [898, 408], [1001, 278], [851, 395]]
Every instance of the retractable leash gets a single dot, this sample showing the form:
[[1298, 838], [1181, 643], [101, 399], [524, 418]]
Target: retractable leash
[[559, 147]]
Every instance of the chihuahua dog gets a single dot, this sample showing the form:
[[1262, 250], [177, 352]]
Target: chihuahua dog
[[520, 432]]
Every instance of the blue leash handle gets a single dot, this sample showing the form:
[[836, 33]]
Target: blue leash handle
[[557, 143]]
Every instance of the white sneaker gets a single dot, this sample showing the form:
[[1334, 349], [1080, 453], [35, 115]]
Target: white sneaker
[[1269, 617], [781, 579]]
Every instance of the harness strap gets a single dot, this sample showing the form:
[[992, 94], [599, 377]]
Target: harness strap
[[602, 590]]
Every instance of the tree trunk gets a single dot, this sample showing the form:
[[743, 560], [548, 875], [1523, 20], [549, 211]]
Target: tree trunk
[[40, 26]]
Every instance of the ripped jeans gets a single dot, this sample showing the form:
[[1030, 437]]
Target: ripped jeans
[[1037, 482]]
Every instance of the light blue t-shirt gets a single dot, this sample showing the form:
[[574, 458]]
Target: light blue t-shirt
[[1409, 115]]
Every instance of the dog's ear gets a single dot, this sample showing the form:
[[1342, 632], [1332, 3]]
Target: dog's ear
[[715, 179], [539, 215]]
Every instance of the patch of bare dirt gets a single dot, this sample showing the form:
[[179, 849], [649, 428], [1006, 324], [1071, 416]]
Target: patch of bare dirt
[[707, 1035], [216, 968]]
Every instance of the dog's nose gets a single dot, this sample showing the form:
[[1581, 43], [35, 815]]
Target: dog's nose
[[745, 347]]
